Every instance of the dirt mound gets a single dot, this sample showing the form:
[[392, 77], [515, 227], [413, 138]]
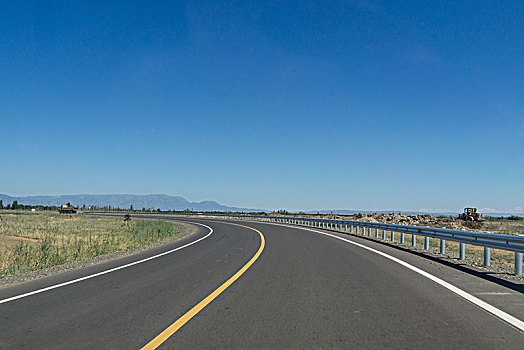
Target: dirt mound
[[404, 219], [411, 220]]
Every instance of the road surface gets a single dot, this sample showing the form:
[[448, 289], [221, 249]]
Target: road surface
[[302, 290]]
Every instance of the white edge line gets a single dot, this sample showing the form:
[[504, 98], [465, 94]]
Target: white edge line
[[480, 303], [107, 271]]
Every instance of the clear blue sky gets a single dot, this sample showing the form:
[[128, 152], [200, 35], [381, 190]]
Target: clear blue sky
[[267, 104]]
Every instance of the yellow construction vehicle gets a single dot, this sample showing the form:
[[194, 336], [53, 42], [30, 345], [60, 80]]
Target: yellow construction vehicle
[[67, 209], [471, 214]]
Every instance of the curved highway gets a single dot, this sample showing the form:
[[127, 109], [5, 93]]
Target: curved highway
[[259, 286]]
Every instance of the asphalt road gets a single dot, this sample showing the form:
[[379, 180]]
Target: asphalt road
[[306, 290]]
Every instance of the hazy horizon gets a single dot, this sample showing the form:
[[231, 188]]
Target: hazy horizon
[[239, 205]]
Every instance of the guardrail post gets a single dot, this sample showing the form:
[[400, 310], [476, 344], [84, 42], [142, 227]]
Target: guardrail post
[[413, 240], [384, 234], [487, 256], [346, 227], [402, 237], [351, 230], [426, 243], [462, 251], [376, 233], [392, 236], [518, 264], [369, 231], [442, 246]]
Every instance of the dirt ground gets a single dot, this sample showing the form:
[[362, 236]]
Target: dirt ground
[[495, 226]]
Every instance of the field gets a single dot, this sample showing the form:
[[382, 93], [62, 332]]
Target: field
[[30, 242]]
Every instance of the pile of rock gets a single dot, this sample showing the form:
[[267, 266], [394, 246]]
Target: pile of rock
[[411, 220]]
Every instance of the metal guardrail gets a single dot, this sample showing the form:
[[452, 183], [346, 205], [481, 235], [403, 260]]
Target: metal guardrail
[[485, 239]]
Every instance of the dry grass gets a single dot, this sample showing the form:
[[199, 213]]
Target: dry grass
[[501, 259], [31, 242]]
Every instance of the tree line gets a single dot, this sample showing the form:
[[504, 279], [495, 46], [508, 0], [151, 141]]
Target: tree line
[[18, 206]]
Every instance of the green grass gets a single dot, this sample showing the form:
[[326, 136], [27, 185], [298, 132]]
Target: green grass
[[504, 218], [34, 242]]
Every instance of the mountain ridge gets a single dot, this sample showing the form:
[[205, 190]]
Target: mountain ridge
[[162, 201]]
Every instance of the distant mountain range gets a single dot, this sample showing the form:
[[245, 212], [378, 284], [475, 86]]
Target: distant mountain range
[[166, 202], [161, 201]]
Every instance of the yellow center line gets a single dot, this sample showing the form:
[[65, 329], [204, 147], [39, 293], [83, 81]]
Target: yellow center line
[[169, 331]]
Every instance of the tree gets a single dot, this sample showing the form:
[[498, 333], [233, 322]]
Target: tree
[[131, 207], [8, 206], [127, 218], [1, 204], [14, 205]]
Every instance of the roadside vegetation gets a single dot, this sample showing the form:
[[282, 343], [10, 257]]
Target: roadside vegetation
[[504, 218], [30, 242]]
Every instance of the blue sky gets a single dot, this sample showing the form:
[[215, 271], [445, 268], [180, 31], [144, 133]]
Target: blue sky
[[301, 105]]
